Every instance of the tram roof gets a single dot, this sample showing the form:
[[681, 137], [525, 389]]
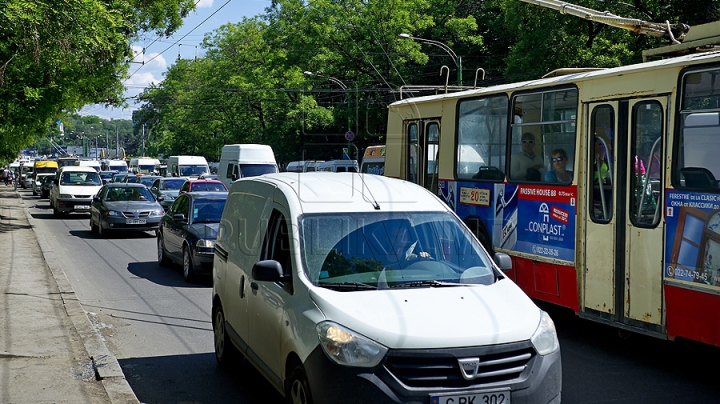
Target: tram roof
[[565, 79]]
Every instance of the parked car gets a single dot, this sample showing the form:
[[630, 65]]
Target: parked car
[[203, 185], [46, 186], [106, 176], [167, 188], [188, 231], [124, 206], [347, 291]]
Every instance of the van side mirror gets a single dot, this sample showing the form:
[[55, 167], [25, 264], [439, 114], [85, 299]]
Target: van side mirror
[[503, 261], [269, 271]]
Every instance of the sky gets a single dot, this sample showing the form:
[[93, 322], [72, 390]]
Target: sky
[[149, 67]]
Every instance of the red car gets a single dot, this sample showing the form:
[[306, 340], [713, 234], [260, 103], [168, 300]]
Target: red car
[[203, 185]]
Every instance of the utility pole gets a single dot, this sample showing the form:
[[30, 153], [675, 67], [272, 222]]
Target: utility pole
[[117, 144], [143, 141]]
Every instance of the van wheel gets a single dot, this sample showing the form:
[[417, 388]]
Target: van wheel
[[298, 387], [225, 352], [188, 271], [162, 258]]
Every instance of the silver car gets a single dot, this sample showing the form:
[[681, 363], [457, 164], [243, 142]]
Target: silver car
[[123, 206]]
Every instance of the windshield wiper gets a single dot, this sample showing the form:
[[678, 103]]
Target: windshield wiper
[[348, 285], [429, 283]]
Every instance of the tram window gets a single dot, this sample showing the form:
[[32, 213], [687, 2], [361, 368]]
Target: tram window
[[482, 138], [545, 131], [697, 166], [413, 153], [602, 125], [645, 169]]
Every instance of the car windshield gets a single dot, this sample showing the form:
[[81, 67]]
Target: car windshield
[[172, 184], [147, 181], [253, 170], [128, 194], [193, 170], [106, 175], [133, 179], [208, 186], [208, 210], [80, 178], [387, 250]]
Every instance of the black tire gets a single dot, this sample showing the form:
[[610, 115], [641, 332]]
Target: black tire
[[187, 265], [226, 354], [92, 225], [163, 260], [56, 212], [298, 387], [101, 232]]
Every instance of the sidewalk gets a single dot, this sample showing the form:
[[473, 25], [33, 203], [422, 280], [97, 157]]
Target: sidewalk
[[49, 351]]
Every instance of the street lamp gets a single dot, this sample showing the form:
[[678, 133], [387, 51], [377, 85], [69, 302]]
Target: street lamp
[[455, 58]]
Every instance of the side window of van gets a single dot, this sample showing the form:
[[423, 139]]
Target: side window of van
[[241, 221], [276, 245]]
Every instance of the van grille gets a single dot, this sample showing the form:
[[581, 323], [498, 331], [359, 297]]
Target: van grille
[[440, 368]]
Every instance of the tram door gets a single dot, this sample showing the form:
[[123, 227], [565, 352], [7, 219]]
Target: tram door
[[423, 137], [623, 212]]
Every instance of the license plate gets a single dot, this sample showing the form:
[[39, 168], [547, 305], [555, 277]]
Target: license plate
[[82, 207], [486, 397], [135, 221]]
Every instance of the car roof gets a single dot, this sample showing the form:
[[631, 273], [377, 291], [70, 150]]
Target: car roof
[[204, 180], [322, 192], [81, 169], [125, 185], [207, 194]]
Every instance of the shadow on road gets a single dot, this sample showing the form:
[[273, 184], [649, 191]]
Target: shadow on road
[[115, 234], [196, 378], [166, 276]]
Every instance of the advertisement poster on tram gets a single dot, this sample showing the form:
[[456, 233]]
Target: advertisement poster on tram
[[533, 219], [692, 250]]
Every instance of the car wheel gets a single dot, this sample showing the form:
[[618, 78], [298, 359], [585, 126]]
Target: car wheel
[[225, 351], [161, 257], [92, 225], [298, 387], [188, 271], [100, 231]]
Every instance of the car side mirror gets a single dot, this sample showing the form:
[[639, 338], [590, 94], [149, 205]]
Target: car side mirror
[[269, 271], [160, 198], [503, 261], [154, 188], [178, 216], [96, 198]]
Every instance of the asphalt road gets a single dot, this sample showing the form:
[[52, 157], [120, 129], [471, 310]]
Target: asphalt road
[[159, 328]]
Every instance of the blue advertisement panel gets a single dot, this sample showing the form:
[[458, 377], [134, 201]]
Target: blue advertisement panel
[[533, 219], [692, 245]]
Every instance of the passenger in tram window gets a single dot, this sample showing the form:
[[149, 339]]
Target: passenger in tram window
[[601, 158], [526, 165], [559, 174]]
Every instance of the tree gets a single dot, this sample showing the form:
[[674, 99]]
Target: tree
[[56, 58]]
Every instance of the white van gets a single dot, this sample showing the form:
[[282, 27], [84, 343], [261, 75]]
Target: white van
[[117, 165], [303, 166], [339, 166], [245, 160], [144, 165], [339, 290], [73, 189], [187, 166], [89, 163], [373, 161]]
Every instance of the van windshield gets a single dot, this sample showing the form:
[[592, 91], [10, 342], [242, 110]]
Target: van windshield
[[193, 170], [253, 170], [387, 250], [80, 178]]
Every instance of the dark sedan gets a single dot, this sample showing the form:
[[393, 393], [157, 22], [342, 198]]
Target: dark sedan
[[168, 188], [188, 231], [124, 206]]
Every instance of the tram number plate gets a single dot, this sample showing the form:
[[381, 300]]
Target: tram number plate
[[82, 207], [489, 397], [135, 221]]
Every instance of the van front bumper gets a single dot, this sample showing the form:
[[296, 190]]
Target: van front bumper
[[73, 205], [540, 382]]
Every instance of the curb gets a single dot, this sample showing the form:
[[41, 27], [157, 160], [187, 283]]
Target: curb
[[106, 366]]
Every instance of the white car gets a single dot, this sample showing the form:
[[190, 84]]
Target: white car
[[347, 287], [73, 189]]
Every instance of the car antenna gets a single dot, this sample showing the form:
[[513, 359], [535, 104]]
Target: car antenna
[[374, 202]]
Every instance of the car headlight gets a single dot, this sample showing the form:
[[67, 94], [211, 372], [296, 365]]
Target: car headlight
[[348, 348], [113, 213], [156, 213], [65, 196], [545, 338], [205, 243]]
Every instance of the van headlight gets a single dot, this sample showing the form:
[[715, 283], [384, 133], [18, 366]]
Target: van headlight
[[348, 348], [205, 243], [545, 338]]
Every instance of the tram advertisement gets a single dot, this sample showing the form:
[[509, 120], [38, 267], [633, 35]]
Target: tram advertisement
[[533, 219], [692, 250]]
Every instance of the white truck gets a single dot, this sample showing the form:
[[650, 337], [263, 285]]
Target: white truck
[[245, 160], [187, 166], [144, 165]]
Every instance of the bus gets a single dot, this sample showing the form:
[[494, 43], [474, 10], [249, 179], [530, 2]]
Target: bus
[[602, 186]]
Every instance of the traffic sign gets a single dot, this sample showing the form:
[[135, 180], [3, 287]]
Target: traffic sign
[[349, 136]]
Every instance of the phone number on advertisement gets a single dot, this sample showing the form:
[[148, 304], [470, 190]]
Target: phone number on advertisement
[[538, 249]]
